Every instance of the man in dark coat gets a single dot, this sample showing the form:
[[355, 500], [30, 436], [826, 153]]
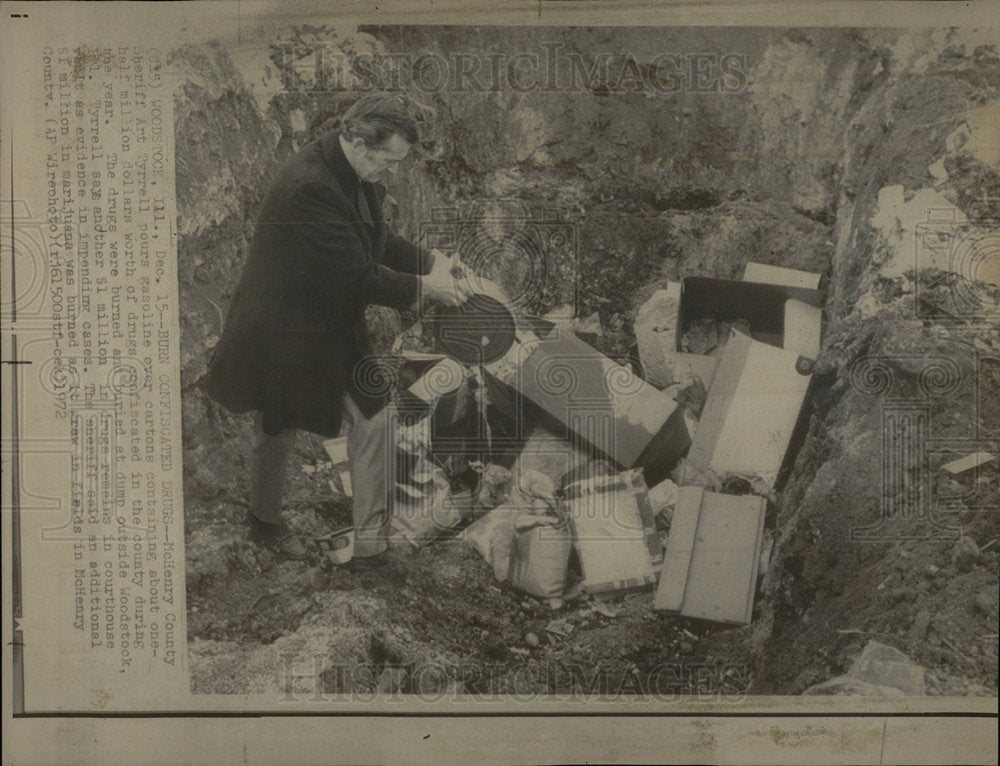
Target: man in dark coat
[[295, 346]]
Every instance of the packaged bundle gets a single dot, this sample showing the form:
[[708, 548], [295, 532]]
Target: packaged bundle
[[615, 531]]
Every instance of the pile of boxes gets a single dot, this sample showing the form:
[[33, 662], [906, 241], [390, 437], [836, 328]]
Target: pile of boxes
[[757, 386], [749, 346]]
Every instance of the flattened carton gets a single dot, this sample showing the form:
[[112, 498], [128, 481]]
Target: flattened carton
[[615, 531], [601, 401], [712, 557]]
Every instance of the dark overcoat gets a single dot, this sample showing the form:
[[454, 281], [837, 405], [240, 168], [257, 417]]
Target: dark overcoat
[[295, 337]]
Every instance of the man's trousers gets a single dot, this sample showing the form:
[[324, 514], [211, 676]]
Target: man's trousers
[[367, 451]]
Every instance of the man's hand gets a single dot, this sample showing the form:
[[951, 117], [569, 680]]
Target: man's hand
[[445, 283], [474, 284]]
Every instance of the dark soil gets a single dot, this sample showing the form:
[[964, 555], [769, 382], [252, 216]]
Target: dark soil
[[444, 595]]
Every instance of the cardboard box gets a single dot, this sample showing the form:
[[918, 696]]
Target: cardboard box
[[615, 532], [712, 558], [751, 411], [779, 275], [444, 393], [803, 329], [656, 333], [680, 546], [600, 401], [445, 377], [762, 305]]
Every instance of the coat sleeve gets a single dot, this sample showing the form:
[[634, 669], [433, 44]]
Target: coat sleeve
[[326, 238], [403, 255]]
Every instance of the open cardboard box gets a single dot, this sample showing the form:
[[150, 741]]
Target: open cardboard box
[[757, 409], [785, 314], [762, 305]]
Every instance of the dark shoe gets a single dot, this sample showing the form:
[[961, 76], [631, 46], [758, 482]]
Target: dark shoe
[[278, 537], [366, 563], [387, 561]]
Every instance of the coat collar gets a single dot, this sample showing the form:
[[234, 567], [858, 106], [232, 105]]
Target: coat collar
[[349, 182], [336, 160]]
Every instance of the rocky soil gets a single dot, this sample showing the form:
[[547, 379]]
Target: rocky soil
[[840, 147]]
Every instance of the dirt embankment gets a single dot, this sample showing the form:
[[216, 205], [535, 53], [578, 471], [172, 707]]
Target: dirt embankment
[[796, 169]]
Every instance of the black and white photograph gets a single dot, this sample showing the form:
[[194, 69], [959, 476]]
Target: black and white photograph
[[566, 382], [586, 362]]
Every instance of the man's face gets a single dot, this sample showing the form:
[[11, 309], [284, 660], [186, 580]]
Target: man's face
[[375, 163]]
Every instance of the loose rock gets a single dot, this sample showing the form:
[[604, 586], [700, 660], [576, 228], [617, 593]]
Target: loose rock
[[982, 603], [883, 665], [965, 554], [844, 685], [919, 628]]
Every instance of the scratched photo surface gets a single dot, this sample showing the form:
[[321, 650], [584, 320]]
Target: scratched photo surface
[[648, 371]]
